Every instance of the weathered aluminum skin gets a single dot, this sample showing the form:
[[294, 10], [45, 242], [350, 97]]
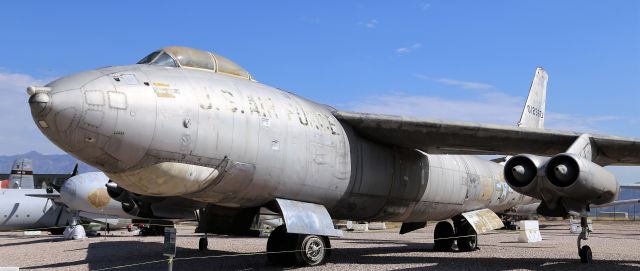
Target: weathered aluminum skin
[[307, 218], [234, 142]]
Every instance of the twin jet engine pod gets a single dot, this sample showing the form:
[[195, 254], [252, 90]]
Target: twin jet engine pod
[[574, 177], [521, 173]]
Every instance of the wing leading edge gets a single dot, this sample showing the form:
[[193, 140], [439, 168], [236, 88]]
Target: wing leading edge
[[447, 137]]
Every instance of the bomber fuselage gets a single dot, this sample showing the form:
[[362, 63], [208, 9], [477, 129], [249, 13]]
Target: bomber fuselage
[[229, 141]]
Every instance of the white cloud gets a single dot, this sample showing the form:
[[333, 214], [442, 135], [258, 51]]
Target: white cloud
[[495, 108], [16, 81], [369, 24], [404, 50], [19, 132], [573, 122], [458, 83]]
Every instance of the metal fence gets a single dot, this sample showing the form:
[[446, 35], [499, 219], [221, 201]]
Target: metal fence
[[623, 212]]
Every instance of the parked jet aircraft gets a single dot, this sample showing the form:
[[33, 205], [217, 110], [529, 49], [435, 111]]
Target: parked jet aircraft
[[189, 126], [83, 195], [20, 211]]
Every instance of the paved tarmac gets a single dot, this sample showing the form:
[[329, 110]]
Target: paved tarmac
[[615, 245]]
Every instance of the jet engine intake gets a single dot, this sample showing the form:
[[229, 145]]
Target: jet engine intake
[[521, 173], [573, 177]]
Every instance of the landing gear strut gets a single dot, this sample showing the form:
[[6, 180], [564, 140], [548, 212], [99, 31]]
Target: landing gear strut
[[294, 249], [203, 243], [584, 251]]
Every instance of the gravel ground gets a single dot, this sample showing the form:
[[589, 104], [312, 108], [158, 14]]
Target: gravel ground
[[616, 246]]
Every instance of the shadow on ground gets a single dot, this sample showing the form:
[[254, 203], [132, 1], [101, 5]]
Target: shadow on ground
[[109, 254]]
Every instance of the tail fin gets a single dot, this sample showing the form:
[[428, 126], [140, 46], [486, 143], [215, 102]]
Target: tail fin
[[21, 174], [533, 112]]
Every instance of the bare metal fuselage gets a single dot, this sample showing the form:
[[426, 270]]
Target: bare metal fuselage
[[234, 142]]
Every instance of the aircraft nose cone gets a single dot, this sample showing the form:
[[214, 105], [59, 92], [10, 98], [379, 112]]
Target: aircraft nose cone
[[38, 102], [57, 114], [59, 107]]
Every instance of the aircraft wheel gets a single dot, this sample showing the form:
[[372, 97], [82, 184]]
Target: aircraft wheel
[[585, 254], [280, 246], [469, 238], [312, 250], [443, 236], [203, 244]]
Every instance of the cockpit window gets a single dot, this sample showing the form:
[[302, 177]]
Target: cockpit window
[[147, 59], [184, 57], [164, 60]]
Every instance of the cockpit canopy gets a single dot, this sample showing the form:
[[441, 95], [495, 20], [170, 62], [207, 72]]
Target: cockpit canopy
[[184, 57]]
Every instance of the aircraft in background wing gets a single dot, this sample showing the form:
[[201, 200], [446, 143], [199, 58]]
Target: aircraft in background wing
[[187, 126]]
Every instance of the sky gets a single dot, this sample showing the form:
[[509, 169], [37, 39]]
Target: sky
[[452, 60]]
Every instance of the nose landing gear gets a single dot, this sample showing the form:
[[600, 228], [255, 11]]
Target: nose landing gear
[[585, 251]]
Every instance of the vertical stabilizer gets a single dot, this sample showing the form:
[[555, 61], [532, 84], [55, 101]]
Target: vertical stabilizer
[[533, 112], [21, 174]]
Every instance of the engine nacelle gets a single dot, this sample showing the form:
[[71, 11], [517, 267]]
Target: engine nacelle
[[153, 207], [580, 180], [522, 172]]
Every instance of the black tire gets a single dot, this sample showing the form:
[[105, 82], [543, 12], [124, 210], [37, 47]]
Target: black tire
[[443, 236], [312, 250], [203, 244], [280, 247], [585, 254], [469, 238]]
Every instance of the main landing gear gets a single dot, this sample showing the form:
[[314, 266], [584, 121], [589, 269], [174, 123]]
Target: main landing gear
[[464, 234], [584, 251], [297, 249]]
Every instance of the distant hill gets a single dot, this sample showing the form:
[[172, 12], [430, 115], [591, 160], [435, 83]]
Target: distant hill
[[45, 163]]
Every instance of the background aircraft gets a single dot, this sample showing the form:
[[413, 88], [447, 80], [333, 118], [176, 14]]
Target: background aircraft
[[20, 211], [185, 127], [22, 176], [83, 196]]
